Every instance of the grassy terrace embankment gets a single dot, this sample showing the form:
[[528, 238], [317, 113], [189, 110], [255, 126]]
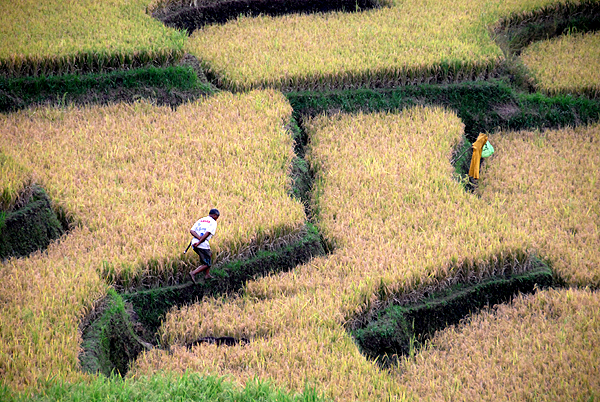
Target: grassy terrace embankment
[[162, 86], [481, 106], [384, 197]]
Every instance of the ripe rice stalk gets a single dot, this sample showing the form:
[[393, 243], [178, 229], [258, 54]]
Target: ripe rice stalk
[[407, 43], [567, 64], [15, 184], [55, 37], [539, 345]]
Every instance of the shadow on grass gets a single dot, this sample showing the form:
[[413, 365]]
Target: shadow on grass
[[401, 329]]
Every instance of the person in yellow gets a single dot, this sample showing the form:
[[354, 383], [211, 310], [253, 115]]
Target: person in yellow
[[481, 148]]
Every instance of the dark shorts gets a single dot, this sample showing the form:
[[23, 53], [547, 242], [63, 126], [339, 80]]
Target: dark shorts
[[205, 255]]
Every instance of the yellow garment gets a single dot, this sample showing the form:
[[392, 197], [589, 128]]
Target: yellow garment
[[476, 158]]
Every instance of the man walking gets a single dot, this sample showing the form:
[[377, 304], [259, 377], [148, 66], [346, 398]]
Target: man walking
[[202, 231]]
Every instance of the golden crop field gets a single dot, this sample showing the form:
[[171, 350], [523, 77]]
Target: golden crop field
[[401, 223], [15, 179], [135, 178], [567, 64], [42, 37], [407, 43], [541, 347], [549, 183]]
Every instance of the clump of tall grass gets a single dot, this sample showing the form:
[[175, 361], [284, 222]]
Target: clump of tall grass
[[548, 184], [384, 195], [567, 64], [542, 346], [57, 37], [135, 178], [163, 387]]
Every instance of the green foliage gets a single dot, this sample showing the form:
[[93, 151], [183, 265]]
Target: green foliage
[[29, 228], [17, 93], [109, 342], [397, 330], [482, 106], [163, 387]]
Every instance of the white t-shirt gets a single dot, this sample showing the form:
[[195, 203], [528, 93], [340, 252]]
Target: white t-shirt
[[203, 225]]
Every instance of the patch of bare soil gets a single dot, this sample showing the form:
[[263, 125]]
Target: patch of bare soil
[[506, 111]]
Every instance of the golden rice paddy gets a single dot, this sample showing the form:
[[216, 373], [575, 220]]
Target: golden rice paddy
[[59, 37], [401, 223], [567, 64], [135, 177]]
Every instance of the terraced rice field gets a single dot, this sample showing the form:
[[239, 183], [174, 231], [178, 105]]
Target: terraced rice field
[[398, 222]]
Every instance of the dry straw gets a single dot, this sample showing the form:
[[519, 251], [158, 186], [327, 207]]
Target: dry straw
[[135, 178], [567, 64]]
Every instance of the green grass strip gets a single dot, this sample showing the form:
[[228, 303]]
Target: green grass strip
[[16, 93], [30, 228], [164, 387], [482, 106]]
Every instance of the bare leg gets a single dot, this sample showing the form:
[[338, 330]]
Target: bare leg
[[197, 271], [207, 274]]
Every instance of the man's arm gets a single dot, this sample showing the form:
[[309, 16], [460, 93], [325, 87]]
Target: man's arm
[[197, 236]]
